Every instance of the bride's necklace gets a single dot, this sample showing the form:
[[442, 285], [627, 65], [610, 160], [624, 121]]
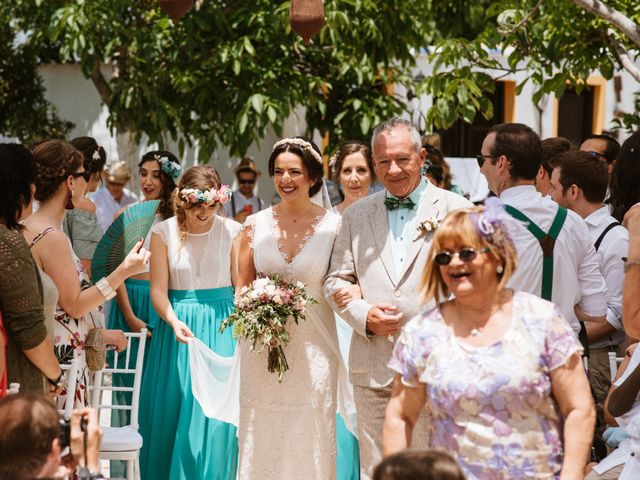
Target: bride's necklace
[[296, 218]]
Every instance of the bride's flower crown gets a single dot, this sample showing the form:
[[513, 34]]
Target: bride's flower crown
[[195, 196], [302, 144]]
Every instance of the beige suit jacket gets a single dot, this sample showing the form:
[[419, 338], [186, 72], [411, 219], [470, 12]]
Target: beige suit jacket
[[362, 255]]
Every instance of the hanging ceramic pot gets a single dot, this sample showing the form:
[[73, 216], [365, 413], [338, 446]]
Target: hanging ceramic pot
[[176, 9], [306, 17]]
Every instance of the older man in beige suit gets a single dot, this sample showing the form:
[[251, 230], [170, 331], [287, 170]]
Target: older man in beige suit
[[382, 246]]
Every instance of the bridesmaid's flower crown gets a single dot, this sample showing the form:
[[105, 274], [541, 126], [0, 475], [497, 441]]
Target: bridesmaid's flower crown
[[302, 144], [195, 196], [170, 168]]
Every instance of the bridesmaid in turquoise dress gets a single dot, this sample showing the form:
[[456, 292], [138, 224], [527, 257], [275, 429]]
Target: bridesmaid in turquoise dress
[[352, 169], [191, 289], [132, 310]]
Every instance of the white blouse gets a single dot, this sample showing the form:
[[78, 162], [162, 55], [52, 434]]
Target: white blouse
[[202, 261]]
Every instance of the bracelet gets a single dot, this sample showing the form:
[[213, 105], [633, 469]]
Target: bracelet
[[630, 263], [105, 289]]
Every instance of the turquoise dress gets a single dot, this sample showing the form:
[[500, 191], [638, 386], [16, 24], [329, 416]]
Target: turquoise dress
[[347, 445], [179, 441], [140, 301]]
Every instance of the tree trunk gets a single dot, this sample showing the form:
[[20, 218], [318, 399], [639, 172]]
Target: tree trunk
[[128, 152]]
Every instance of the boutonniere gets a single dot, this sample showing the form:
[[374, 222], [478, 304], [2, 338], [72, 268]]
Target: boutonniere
[[428, 225]]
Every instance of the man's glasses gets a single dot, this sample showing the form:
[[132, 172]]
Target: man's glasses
[[481, 159], [466, 254], [84, 174], [246, 182], [599, 155]]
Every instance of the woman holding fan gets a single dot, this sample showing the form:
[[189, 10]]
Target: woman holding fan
[[61, 182], [158, 171], [191, 289]]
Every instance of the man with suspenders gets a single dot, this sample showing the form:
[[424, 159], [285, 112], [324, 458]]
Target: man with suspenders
[[556, 260], [579, 183]]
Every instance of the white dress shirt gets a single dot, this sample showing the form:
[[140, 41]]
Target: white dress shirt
[[107, 207], [402, 227], [613, 247], [576, 273]]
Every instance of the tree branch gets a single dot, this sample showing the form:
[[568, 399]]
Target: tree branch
[[616, 18], [623, 56], [99, 81]]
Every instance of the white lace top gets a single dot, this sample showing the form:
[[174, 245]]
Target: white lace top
[[202, 261]]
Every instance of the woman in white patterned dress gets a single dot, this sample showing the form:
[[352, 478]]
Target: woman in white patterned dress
[[287, 430]]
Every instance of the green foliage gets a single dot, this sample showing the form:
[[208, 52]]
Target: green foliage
[[629, 122], [25, 113], [554, 43], [233, 70]]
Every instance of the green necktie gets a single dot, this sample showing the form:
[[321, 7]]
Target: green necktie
[[392, 203]]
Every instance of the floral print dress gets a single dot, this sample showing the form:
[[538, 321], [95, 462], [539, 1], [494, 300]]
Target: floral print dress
[[491, 407], [69, 334]]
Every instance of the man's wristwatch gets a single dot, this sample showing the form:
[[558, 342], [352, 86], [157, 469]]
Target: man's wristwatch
[[58, 382]]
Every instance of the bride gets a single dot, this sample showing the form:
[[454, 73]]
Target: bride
[[287, 430]]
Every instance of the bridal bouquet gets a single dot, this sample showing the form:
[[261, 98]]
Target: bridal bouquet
[[262, 312]]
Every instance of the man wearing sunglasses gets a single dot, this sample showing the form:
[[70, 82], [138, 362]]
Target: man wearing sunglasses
[[603, 147], [243, 201], [556, 259], [382, 246]]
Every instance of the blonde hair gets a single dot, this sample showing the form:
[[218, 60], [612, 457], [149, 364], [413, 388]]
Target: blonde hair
[[201, 177], [459, 227]]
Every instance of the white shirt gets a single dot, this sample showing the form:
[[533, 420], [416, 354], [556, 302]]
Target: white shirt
[[613, 247], [240, 202], [576, 273], [627, 453], [107, 207]]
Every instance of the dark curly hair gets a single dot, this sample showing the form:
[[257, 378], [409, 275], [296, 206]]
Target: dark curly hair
[[315, 170], [625, 178], [168, 184], [88, 146], [56, 160], [17, 173]]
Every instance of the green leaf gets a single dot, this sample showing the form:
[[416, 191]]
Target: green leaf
[[257, 101]]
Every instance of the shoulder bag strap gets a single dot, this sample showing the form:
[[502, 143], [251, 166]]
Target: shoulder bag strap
[[604, 233]]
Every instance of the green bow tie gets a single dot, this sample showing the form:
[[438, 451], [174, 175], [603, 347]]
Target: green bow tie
[[392, 203]]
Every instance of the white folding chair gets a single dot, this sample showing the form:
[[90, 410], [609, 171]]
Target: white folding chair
[[72, 370], [614, 363], [122, 443]]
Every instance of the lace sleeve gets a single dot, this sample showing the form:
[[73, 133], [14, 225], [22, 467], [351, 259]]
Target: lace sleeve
[[249, 229], [20, 291]]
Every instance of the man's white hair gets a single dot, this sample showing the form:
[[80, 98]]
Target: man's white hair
[[392, 124]]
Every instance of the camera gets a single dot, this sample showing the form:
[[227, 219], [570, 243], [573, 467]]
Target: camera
[[65, 430]]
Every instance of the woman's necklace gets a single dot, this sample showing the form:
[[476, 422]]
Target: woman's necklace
[[295, 219]]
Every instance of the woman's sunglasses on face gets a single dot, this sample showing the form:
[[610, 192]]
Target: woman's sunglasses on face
[[465, 254], [84, 174]]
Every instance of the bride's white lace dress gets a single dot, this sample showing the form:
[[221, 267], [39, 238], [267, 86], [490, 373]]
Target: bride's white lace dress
[[287, 430]]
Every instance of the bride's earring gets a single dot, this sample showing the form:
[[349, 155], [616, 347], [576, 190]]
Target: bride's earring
[[499, 269]]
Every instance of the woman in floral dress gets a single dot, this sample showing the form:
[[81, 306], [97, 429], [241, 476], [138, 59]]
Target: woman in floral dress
[[499, 371], [60, 184]]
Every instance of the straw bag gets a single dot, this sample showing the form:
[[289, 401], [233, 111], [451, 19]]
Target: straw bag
[[95, 350]]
